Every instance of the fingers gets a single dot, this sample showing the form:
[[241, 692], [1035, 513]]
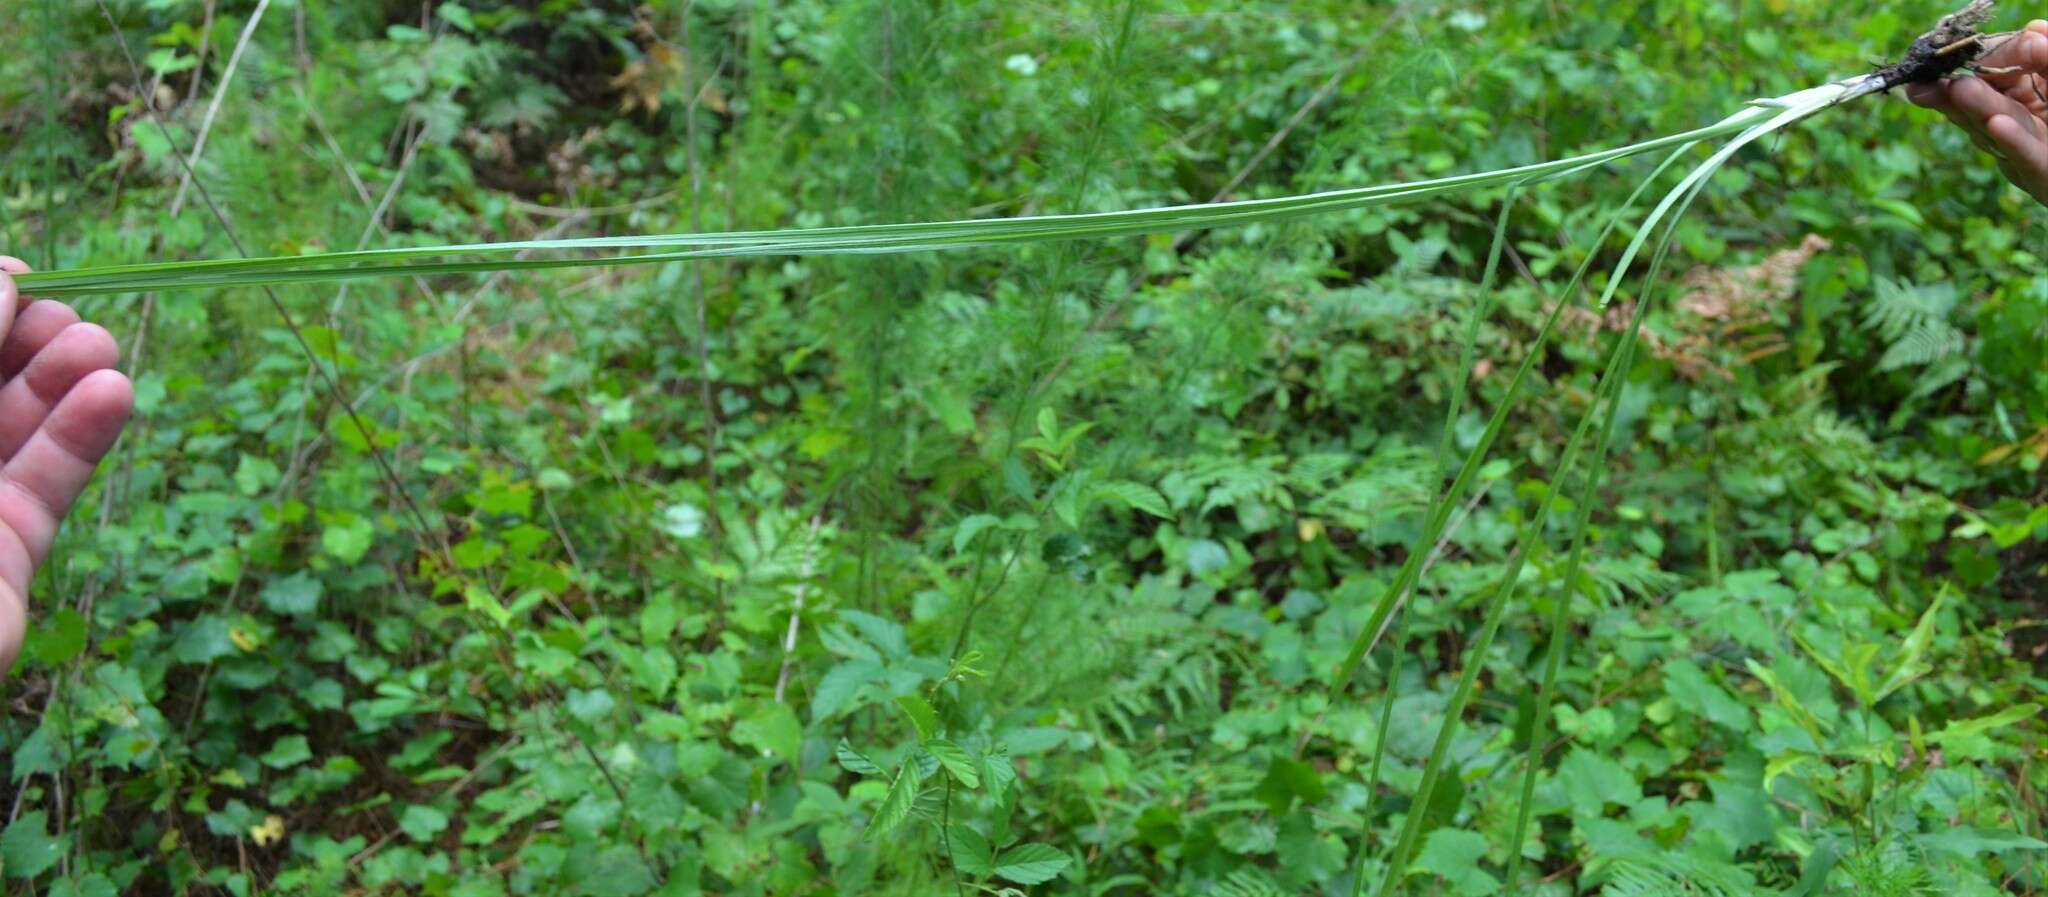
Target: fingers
[[13, 625], [10, 297], [1931, 95], [2025, 161], [34, 328], [67, 358], [1977, 100], [2027, 49], [38, 485]]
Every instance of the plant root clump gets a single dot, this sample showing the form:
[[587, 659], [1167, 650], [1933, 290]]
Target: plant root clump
[[1954, 43]]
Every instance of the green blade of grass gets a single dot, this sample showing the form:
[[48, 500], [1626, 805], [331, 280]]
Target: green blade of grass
[[886, 238], [1678, 199], [1480, 312], [1438, 515]]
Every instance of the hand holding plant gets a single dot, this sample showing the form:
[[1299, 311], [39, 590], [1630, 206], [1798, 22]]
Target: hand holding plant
[[61, 407], [2005, 107]]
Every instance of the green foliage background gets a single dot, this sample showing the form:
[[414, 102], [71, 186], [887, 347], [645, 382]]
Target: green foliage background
[[1018, 568]]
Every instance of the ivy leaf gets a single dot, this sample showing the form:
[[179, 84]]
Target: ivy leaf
[[1031, 864], [897, 803], [26, 849], [956, 760]]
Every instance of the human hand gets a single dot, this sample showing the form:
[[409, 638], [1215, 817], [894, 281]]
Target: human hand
[[61, 406], [2005, 107]]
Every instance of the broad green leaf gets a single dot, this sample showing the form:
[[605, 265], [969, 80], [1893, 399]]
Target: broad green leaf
[[922, 716], [971, 853], [27, 848], [57, 638], [589, 705], [1135, 496], [421, 822], [958, 763], [772, 729], [1031, 864], [1455, 855], [998, 770], [1287, 780], [854, 761], [1699, 696], [617, 871], [295, 595], [91, 884], [287, 751], [964, 533], [1591, 781], [896, 805]]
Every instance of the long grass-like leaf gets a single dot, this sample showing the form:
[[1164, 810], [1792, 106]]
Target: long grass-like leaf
[[864, 239], [1480, 312], [1677, 200]]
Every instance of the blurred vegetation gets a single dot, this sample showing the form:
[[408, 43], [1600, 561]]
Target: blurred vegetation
[[1017, 568]]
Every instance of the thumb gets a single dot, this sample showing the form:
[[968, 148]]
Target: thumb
[[10, 295]]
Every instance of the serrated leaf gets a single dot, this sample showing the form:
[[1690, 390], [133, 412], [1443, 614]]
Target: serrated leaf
[[957, 762], [1031, 864], [1591, 781], [26, 848], [896, 805], [922, 716], [1455, 855], [998, 770], [854, 761], [1136, 496], [971, 853], [57, 639], [841, 685]]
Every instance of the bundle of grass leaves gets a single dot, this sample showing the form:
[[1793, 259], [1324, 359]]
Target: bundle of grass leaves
[[1955, 44]]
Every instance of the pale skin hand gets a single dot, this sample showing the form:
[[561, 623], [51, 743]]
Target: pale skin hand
[[2005, 108], [61, 406]]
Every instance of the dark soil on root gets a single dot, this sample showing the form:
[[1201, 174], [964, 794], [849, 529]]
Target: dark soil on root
[[1952, 45]]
